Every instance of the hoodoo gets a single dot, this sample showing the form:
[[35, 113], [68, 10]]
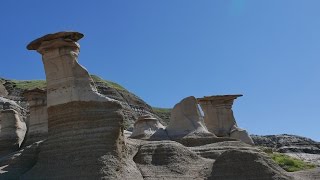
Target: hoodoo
[[186, 119], [85, 133], [219, 118]]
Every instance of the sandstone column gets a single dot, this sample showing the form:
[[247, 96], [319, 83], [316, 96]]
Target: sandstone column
[[218, 114], [67, 80], [219, 118], [85, 128], [38, 119]]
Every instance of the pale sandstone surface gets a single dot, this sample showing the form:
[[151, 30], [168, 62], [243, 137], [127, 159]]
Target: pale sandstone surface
[[219, 118], [146, 126], [241, 134], [38, 119], [186, 119], [13, 130]]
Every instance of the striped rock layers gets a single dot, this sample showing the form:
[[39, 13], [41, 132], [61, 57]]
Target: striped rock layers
[[38, 119], [85, 131]]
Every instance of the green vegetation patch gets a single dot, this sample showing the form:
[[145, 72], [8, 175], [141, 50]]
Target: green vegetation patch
[[161, 110], [107, 83], [27, 85], [290, 164]]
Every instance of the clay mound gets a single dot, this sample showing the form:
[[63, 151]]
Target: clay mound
[[244, 165], [170, 160]]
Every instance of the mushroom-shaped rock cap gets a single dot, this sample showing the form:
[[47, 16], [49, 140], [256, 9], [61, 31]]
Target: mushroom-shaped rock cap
[[146, 118], [71, 35]]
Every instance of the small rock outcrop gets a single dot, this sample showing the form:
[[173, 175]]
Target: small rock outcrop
[[13, 130], [38, 119], [186, 120], [219, 118], [146, 126]]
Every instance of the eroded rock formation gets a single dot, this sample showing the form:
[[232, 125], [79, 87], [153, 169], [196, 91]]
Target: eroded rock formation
[[146, 126], [186, 119], [85, 131], [219, 118], [13, 130], [38, 119]]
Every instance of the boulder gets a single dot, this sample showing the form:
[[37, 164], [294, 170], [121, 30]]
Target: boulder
[[241, 134], [13, 130], [186, 120], [146, 126]]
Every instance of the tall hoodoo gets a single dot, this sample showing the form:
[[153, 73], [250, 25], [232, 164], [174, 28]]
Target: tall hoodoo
[[67, 80], [85, 131], [219, 118], [38, 119]]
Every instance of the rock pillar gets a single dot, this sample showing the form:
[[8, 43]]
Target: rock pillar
[[38, 119], [85, 128], [186, 119], [219, 118]]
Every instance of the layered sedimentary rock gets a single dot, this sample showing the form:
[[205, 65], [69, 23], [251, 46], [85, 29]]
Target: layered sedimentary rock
[[186, 119], [85, 129], [219, 118], [146, 126], [66, 79], [13, 130], [38, 118]]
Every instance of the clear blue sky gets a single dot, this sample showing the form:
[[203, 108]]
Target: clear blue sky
[[166, 50]]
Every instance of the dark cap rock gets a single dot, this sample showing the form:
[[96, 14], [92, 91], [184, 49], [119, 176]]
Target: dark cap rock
[[70, 35]]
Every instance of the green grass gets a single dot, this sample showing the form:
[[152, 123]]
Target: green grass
[[108, 83], [161, 110], [27, 85], [290, 164]]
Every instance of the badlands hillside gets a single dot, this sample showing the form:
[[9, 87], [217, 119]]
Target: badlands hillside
[[78, 126]]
